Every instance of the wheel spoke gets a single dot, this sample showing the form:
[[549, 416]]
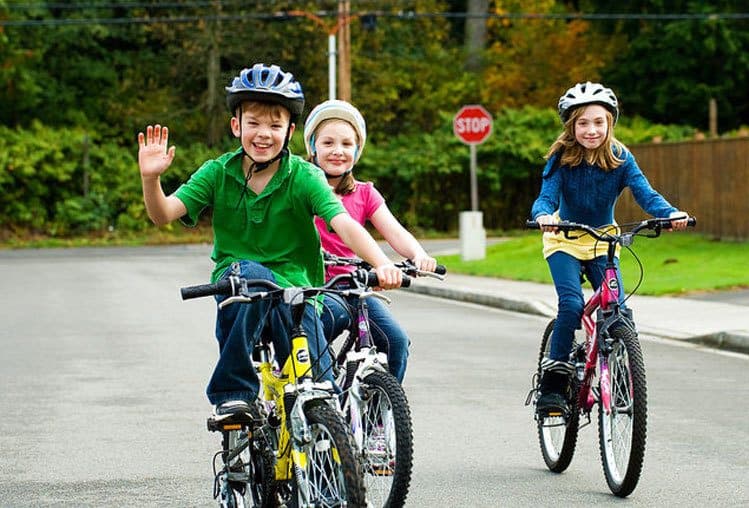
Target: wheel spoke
[[623, 430]]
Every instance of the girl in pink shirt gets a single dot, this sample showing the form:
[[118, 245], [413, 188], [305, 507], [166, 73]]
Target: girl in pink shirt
[[335, 134]]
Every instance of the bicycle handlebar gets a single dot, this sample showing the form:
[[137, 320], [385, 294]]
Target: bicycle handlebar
[[234, 285], [406, 266], [656, 224], [222, 287]]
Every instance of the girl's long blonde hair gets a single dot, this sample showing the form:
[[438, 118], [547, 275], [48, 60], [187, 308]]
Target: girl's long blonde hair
[[573, 153]]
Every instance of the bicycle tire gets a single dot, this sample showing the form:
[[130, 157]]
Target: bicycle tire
[[257, 461], [557, 436], [332, 472], [623, 433], [387, 472]]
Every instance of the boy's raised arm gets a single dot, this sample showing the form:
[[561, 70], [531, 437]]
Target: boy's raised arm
[[154, 157]]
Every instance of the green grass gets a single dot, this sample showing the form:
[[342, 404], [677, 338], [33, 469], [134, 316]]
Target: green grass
[[173, 234], [674, 263]]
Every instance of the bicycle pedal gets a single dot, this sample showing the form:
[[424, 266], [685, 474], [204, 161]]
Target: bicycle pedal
[[543, 414], [234, 421]]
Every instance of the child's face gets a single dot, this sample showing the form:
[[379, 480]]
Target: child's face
[[591, 126], [335, 146], [262, 131]]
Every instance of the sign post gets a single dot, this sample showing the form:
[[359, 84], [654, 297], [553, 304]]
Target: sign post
[[472, 125]]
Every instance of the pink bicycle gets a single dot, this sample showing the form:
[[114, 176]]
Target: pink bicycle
[[609, 371]]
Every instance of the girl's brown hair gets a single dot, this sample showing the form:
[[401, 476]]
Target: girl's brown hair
[[347, 184], [573, 153]]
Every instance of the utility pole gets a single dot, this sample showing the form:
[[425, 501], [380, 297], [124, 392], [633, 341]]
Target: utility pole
[[339, 48], [475, 34], [216, 121], [344, 50]]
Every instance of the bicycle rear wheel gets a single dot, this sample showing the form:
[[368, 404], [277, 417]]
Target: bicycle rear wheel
[[557, 435], [327, 472], [251, 469], [388, 440], [622, 433]]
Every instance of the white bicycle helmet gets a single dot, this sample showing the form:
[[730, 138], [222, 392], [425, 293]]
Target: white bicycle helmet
[[340, 110], [265, 83], [588, 93]]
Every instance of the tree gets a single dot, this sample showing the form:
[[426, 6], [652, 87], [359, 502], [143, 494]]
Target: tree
[[533, 60], [670, 68], [476, 32]]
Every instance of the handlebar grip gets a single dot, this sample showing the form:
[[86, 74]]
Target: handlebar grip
[[531, 224], [440, 270], [692, 221], [222, 287], [372, 280]]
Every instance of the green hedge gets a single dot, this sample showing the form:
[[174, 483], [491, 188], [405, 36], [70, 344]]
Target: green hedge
[[65, 182]]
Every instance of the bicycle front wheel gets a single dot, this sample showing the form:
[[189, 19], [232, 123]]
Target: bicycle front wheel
[[388, 440], [327, 472], [557, 435], [622, 432]]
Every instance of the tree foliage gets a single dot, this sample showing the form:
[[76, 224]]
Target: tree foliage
[[79, 79], [670, 68], [532, 61]]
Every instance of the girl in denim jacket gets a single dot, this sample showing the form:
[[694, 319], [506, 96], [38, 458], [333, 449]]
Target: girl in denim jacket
[[587, 169]]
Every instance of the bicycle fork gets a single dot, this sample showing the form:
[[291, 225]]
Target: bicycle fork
[[364, 362]]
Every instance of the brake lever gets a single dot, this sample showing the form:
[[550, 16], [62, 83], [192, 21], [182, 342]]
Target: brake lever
[[375, 294], [422, 273]]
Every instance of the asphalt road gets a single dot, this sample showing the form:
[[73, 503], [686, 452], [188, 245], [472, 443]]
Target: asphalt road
[[103, 370]]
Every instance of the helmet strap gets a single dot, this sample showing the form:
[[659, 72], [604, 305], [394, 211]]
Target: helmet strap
[[331, 177]]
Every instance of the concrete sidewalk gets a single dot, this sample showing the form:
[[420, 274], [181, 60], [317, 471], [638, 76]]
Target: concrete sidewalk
[[717, 324], [717, 319]]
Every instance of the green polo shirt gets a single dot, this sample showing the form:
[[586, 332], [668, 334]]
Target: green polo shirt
[[275, 228]]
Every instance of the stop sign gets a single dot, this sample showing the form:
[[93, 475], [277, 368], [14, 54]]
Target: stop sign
[[472, 124]]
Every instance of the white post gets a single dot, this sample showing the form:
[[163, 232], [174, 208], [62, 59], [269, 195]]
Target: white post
[[472, 236], [332, 55]]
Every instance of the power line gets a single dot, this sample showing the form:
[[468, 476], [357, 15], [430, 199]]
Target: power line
[[409, 15]]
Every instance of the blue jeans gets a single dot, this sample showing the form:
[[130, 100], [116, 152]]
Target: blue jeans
[[386, 333], [565, 270], [238, 327]]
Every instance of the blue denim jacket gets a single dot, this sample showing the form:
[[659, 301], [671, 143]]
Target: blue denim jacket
[[587, 194]]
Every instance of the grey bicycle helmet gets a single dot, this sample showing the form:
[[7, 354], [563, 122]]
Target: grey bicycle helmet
[[588, 93], [341, 110], [265, 83]]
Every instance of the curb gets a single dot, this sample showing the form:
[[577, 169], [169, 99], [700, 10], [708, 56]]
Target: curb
[[513, 304], [736, 341]]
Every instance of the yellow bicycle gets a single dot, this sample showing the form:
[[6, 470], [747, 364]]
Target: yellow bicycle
[[294, 447]]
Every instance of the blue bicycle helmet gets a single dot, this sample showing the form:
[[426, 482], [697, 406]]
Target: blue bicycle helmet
[[265, 83]]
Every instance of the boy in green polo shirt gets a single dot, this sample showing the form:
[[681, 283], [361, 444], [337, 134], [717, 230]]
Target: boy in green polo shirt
[[264, 200]]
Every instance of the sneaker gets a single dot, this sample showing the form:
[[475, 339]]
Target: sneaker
[[552, 400], [230, 407], [552, 404]]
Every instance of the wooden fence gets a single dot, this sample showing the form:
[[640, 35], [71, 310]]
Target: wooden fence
[[707, 178]]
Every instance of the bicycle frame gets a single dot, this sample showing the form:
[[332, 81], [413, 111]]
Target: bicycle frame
[[289, 389], [604, 298]]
